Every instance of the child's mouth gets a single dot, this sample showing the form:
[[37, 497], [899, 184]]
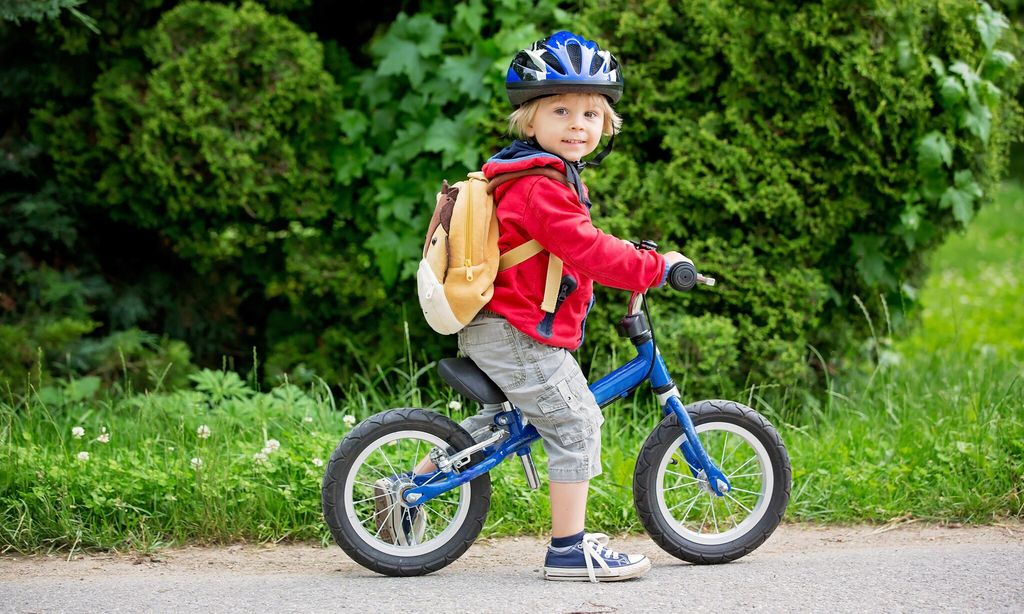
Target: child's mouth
[[573, 141]]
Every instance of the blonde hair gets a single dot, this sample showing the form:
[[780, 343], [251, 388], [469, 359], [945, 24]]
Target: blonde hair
[[520, 119]]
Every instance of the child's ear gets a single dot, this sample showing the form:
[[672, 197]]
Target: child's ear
[[530, 132]]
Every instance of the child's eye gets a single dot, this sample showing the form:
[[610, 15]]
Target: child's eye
[[561, 111], [592, 114]]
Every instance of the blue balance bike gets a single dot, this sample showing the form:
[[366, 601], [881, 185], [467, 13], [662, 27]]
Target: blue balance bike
[[711, 483]]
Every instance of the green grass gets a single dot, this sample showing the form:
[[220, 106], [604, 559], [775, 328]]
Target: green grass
[[933, 431]]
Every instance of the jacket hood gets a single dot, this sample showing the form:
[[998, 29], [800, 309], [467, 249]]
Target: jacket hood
[[522, 155]]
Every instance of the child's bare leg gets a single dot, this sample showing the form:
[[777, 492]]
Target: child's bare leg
[[425, 466], [568, 507]]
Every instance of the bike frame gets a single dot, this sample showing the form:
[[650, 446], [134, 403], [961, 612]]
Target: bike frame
[[619, 383]]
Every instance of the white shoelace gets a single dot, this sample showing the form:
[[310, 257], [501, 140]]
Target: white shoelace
[[595, 547]]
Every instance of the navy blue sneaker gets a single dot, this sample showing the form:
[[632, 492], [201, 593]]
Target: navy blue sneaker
[[591, 559], [396, 524]]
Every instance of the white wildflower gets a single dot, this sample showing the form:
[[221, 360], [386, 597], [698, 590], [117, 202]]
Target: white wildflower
[[196, 463], [170, 448], [259, 458], [103, 438], [83, 456], [349, 420], [308, 419], [454, 405], [271, 446], [78, 432], [318, 462], [203, 431]]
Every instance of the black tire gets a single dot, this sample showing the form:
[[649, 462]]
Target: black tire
[[756, 465], [354, 466]]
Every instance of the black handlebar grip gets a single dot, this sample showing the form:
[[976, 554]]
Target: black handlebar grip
[[682, 276]]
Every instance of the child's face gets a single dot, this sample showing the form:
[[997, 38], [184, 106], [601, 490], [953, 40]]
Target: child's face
[[568, 125]]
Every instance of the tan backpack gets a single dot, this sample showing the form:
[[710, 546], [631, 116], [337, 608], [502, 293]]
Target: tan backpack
[[460, 256]]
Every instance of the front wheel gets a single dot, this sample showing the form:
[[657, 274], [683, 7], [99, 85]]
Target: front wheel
[[680, 511], [362, 502]]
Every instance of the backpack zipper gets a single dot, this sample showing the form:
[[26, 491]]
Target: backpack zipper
[[468, 262]]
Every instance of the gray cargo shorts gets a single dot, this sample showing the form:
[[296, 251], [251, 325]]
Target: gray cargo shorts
[[547, 385]]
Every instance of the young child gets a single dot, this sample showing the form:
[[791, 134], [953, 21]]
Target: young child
[[562, 89]]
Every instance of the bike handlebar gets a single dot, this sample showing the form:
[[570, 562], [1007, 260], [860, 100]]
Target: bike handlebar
[[684, 276]]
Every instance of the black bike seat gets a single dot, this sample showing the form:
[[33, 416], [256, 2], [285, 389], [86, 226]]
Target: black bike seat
[[463, 375]]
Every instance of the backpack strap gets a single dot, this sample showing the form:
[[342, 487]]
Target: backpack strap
[[531, 248], [547, 171]]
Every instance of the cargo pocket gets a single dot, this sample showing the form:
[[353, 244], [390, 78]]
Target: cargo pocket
[[568, 413]]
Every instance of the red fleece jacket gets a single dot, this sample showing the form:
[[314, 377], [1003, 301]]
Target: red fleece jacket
[[536, 207]]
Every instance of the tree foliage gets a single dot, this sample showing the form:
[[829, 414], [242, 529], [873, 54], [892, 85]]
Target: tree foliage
[[807, 154], [254, 175]]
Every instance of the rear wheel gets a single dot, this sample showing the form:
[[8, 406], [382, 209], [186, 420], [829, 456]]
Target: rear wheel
[[678, 508], [362, 488]]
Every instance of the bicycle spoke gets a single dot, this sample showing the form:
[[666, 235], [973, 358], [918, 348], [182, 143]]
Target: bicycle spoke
[[443, 516], [744, 475], [732, 516], [749, 492], [714, 517], [691, 501], [739, 503], [679, 486], [745, 463], [700, 529], [367, 499], [682, 475], [725, 442], [367, 484], [388, 461]]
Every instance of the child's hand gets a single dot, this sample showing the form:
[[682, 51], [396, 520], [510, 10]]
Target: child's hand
[[672, 258]]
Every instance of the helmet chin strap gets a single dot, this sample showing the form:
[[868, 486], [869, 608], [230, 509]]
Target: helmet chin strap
[[599, 157]]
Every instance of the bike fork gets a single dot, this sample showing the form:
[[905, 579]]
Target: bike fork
[[694, 452]]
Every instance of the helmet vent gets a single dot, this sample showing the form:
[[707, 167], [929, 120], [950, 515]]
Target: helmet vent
[[575, 56], [595, 64], [550, 59]]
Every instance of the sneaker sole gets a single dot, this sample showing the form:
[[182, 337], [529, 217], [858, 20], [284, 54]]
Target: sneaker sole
[[562, 574]]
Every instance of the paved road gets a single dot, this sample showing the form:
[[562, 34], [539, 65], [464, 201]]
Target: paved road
[[860, 569]]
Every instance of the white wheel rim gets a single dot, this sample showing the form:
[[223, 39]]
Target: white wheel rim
[[753, 466], [464, 493]]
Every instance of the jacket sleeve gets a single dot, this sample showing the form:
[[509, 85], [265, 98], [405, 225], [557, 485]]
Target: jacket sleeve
[[561, 224]]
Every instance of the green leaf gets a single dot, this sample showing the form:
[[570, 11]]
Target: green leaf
[[990, 25], [468, 72], [933, 151], [937, 66], [997, 62], [964, 180], [989, 93], [428, 33], [966, 73], [401, 57], [470, 15], [951, 91], [438, 136], [353, 123], [978, 121], [871, 260], [960, 197]]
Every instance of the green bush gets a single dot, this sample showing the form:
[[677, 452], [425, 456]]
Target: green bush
[[275, 188], [804, 154], [219, 140]]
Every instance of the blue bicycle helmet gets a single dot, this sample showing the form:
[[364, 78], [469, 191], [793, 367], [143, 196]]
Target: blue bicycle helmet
[[563, 63]]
